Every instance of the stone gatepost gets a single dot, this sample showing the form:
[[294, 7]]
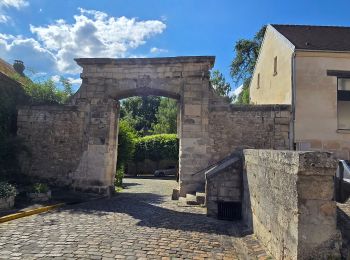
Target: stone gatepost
[[288, 203], [97, 166], [194, 135]]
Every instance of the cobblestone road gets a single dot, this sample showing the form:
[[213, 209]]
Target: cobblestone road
[[140, 223]]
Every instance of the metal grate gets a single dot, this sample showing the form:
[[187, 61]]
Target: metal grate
[[229, 210]]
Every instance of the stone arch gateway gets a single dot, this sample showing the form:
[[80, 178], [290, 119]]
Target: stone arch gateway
[[75, 144], [107, 80]]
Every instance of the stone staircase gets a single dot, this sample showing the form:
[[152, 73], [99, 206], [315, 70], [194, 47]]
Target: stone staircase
[[197, 199]]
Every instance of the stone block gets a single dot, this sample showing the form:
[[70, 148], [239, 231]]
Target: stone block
[[193, 110], [317, 188]]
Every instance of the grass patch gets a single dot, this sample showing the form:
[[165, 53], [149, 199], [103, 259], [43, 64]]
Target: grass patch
[[118, 189]]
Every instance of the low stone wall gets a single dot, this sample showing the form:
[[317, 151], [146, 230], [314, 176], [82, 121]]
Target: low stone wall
[[149, 166], [288, 202]]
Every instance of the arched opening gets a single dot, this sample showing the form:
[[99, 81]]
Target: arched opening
[[147, 144]]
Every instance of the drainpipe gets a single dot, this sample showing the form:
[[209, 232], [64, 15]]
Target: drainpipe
[[292, 126]]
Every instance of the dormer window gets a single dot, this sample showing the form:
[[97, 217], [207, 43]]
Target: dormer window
[[275, 66]]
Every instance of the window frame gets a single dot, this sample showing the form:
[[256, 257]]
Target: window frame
[[338, 78], [275, 64]]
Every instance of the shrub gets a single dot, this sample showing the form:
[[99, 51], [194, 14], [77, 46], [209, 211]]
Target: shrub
[[46, 91], [7, 190], [40, 188], [118, 182], [157, 147], [126, 148], [126, 142]]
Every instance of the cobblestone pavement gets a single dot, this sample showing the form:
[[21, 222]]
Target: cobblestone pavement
[[139, 223]]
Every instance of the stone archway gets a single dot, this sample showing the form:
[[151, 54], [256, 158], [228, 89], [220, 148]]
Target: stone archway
[[105, 81]]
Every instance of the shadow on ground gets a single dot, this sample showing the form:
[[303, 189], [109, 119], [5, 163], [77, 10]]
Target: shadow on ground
[[146, 207], [170, 177]]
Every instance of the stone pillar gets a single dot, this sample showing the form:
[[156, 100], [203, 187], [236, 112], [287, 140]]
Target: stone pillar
[[98, 164], [288, 202], [194, 136]]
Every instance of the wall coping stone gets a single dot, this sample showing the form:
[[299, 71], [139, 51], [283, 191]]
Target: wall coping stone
[[308, 162], [218, 168], [146, 61], [233, 107]]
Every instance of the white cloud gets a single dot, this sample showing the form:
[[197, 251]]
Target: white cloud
[[4, 18], [27, 49], [14, 3], [18, 4], [73, 81], [157, 50], [235, 93], [238, 90], [93, 34], [55, 78], [53, 47]]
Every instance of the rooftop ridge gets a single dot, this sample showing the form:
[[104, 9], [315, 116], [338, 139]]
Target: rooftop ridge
[[308, 25]]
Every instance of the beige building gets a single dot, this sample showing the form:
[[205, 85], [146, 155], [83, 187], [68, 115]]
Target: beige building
[[308, 67]]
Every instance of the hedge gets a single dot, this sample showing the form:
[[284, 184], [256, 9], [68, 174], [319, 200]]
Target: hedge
[[157, 147]]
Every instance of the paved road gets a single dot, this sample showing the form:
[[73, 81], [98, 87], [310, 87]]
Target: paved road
[[139, 223]]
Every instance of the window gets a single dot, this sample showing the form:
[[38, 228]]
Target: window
[[343, 98], [275, 66], [258, 81]]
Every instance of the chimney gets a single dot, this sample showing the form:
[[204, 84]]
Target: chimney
[[19, 67]]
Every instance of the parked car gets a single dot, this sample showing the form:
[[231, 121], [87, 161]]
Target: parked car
[[170, 171], [342, 181]]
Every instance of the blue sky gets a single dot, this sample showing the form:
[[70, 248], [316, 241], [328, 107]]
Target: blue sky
[[48, 34]]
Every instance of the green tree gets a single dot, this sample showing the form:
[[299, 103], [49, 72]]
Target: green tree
[[166, 117], [218, 82], [46, 91], [140, 112], [242, 66]]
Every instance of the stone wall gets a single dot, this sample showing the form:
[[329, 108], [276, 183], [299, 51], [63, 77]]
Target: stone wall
[[223, 184], [54, 135], [61, 151], [247, 126], [288, 202], [149, 166]]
